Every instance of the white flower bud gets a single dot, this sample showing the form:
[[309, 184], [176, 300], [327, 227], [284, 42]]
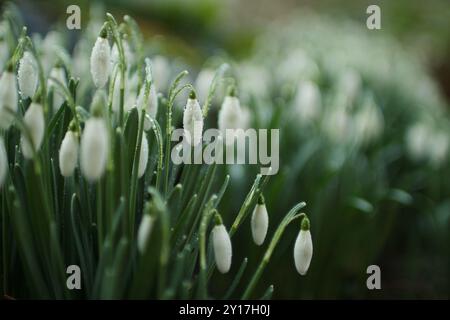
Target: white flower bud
[[35, 126], [303, 248], [203, 83], [151, 107], [161, 72], [307, 101], [94, 149], [68, 153], [193, 121], [128, 54], [143, 156], [3, 162], [222, 246], [144, 232], [100, 61], [260, 222], [27, 75], [58, 96], [8, 99], [230, 113]]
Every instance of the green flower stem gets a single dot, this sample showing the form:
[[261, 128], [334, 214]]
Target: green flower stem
[[134, 174], [290, 216]]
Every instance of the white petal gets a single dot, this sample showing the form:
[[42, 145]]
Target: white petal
[[35, 124], [68, 154], [94, 149], [8, 99], [144, 232], [143, 156], [3, 162], [303, 251], [193, 122], [100, 62], [260, 223], [27, 75], [222, 248]]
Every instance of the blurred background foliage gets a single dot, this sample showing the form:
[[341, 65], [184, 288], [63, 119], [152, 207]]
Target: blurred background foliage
[[370, 202]]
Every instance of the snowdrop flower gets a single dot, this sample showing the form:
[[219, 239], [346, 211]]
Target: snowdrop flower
[[303, 248], [58, 97], [203, 82], [101, 60], [161, 72], [308, 102], [336, 124], [368, 122], [260, 221], [68, 153], [143, 156], [193, 120], [417, 138], [35, 126], [145, 229], [8, 98], [221, 245], [349, 85], [94, 145], [3, 162], [230, 114], [151, 107], [27, 75], [115, 57]]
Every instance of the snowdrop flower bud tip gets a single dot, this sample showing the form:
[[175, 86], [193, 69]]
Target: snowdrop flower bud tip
[[222, 246], [260, 221], [143, 156], [68, 153], [35, 126], [303, 248], [145, 229]]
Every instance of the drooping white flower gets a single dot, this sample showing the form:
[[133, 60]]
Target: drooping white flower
[[145, 230], [128, 54], [161, 72], [8, 98], [303, 249], [3, 162], [417, 138], [349, 84], [193, 121], [143, 156], [129, 99], [35, 127], [203, 83], [260, 222], [58, 96], [368, 122], [308, 102], [222, 246], [27, 75], [151, 107], [68, 153], [94, 148], [101, 60], [230, 115]]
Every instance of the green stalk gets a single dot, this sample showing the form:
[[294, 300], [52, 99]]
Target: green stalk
[[290, 216]]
